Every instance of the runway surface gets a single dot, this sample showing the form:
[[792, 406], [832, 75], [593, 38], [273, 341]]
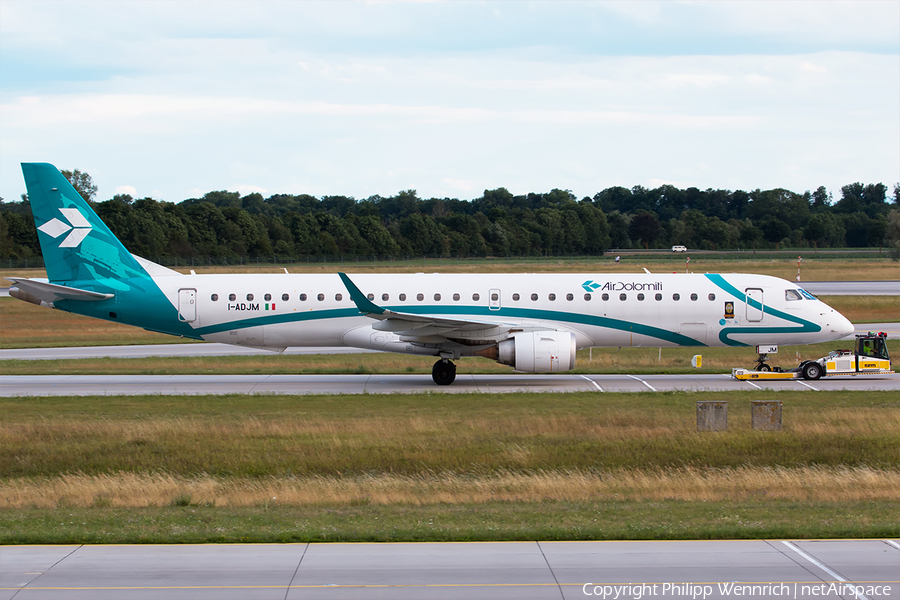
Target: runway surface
[[135, 385], [797, 569]]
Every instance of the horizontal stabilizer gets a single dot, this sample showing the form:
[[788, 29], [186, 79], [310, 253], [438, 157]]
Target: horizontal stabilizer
[[50, 292]]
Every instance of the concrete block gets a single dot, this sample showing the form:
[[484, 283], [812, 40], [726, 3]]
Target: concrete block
[[712, 416], [765, 415]]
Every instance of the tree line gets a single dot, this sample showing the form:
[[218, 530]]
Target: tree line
[[225, 224]]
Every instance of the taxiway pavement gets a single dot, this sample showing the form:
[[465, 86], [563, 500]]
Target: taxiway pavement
[[796, 569], [135, 385]]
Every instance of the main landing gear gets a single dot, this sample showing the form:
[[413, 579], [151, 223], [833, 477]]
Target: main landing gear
[[443, 372]]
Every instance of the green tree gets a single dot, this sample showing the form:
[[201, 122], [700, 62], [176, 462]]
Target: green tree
[[869, 199], [824, 230], [645, 227], [619, 226], [775, 230]]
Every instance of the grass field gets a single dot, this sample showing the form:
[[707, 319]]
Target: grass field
[[433, 466]]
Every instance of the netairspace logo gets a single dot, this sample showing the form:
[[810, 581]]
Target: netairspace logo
[[77, 228], [696, 591]]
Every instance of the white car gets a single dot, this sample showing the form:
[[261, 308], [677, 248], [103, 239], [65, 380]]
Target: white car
[[679, 248]]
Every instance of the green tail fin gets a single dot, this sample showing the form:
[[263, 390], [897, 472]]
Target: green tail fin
[[77, 246]]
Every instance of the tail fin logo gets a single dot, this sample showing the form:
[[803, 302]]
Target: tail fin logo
[[77, 227]]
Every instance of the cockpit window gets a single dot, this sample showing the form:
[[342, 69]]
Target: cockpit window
[[807, 295], [791, 295]]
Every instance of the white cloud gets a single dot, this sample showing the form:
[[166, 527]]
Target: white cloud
[[359, 99], [126, 189]]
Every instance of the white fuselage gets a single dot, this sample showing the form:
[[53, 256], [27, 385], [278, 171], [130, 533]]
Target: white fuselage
[[281, 310]]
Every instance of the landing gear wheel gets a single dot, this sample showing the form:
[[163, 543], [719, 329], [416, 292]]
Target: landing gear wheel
[[443, 372], [763, 367], [812, 370]]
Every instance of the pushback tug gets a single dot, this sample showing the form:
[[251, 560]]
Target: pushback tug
[[869, 357]]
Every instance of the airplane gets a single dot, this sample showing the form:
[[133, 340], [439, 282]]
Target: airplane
[[532, 322]]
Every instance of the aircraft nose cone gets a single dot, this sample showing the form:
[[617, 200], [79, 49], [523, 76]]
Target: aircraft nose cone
[[843, 326]]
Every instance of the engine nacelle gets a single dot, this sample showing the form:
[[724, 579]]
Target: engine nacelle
[[539, 351]]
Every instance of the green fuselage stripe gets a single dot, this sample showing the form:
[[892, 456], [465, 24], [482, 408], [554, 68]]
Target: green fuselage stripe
[[805, 326], [462, 312]]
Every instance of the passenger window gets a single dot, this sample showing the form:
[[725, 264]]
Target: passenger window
[[268, 297], [456, 297], [249, 297], [214, 297], [285, 297], [302, 297], [475, 297], [516, 297], [534, 297], [712, 297], [420, 297], [791, 295], [495, 297], [385, 297], [320, 297], [640, 297], [232, 297], [587, 297], [658, 297], [570, 297], [694, 297], [402, 297], [437, 297], [370, 297], [604, 297], [552, 297], [676, 297], [338, 297], [623, 297]]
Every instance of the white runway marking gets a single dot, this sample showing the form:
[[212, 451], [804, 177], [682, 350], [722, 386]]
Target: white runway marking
[[818, 564], [652, 389], [586, 378]]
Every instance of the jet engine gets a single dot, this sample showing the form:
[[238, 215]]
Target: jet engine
[[538, 351]]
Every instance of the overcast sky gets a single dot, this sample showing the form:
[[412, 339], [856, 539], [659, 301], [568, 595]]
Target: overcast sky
[[174, 99]]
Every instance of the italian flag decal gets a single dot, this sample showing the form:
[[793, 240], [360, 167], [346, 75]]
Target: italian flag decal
[[270, 306]]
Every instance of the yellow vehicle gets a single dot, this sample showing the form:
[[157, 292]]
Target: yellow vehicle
[[869, 357]]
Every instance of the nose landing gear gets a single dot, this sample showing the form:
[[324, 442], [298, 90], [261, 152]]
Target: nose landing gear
[[443, 372]]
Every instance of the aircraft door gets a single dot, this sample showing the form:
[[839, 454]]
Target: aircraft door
[[187, 305], [494, 299], [754, 305]]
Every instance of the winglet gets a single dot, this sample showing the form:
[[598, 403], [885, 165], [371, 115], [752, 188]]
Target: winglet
[[363, 304]]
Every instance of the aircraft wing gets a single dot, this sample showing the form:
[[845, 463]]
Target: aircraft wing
[[50, 292], [410, 326]]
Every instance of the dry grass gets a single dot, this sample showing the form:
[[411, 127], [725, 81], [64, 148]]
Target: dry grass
[[457, 426], [438, 467], [138, 490], [420, 435]]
